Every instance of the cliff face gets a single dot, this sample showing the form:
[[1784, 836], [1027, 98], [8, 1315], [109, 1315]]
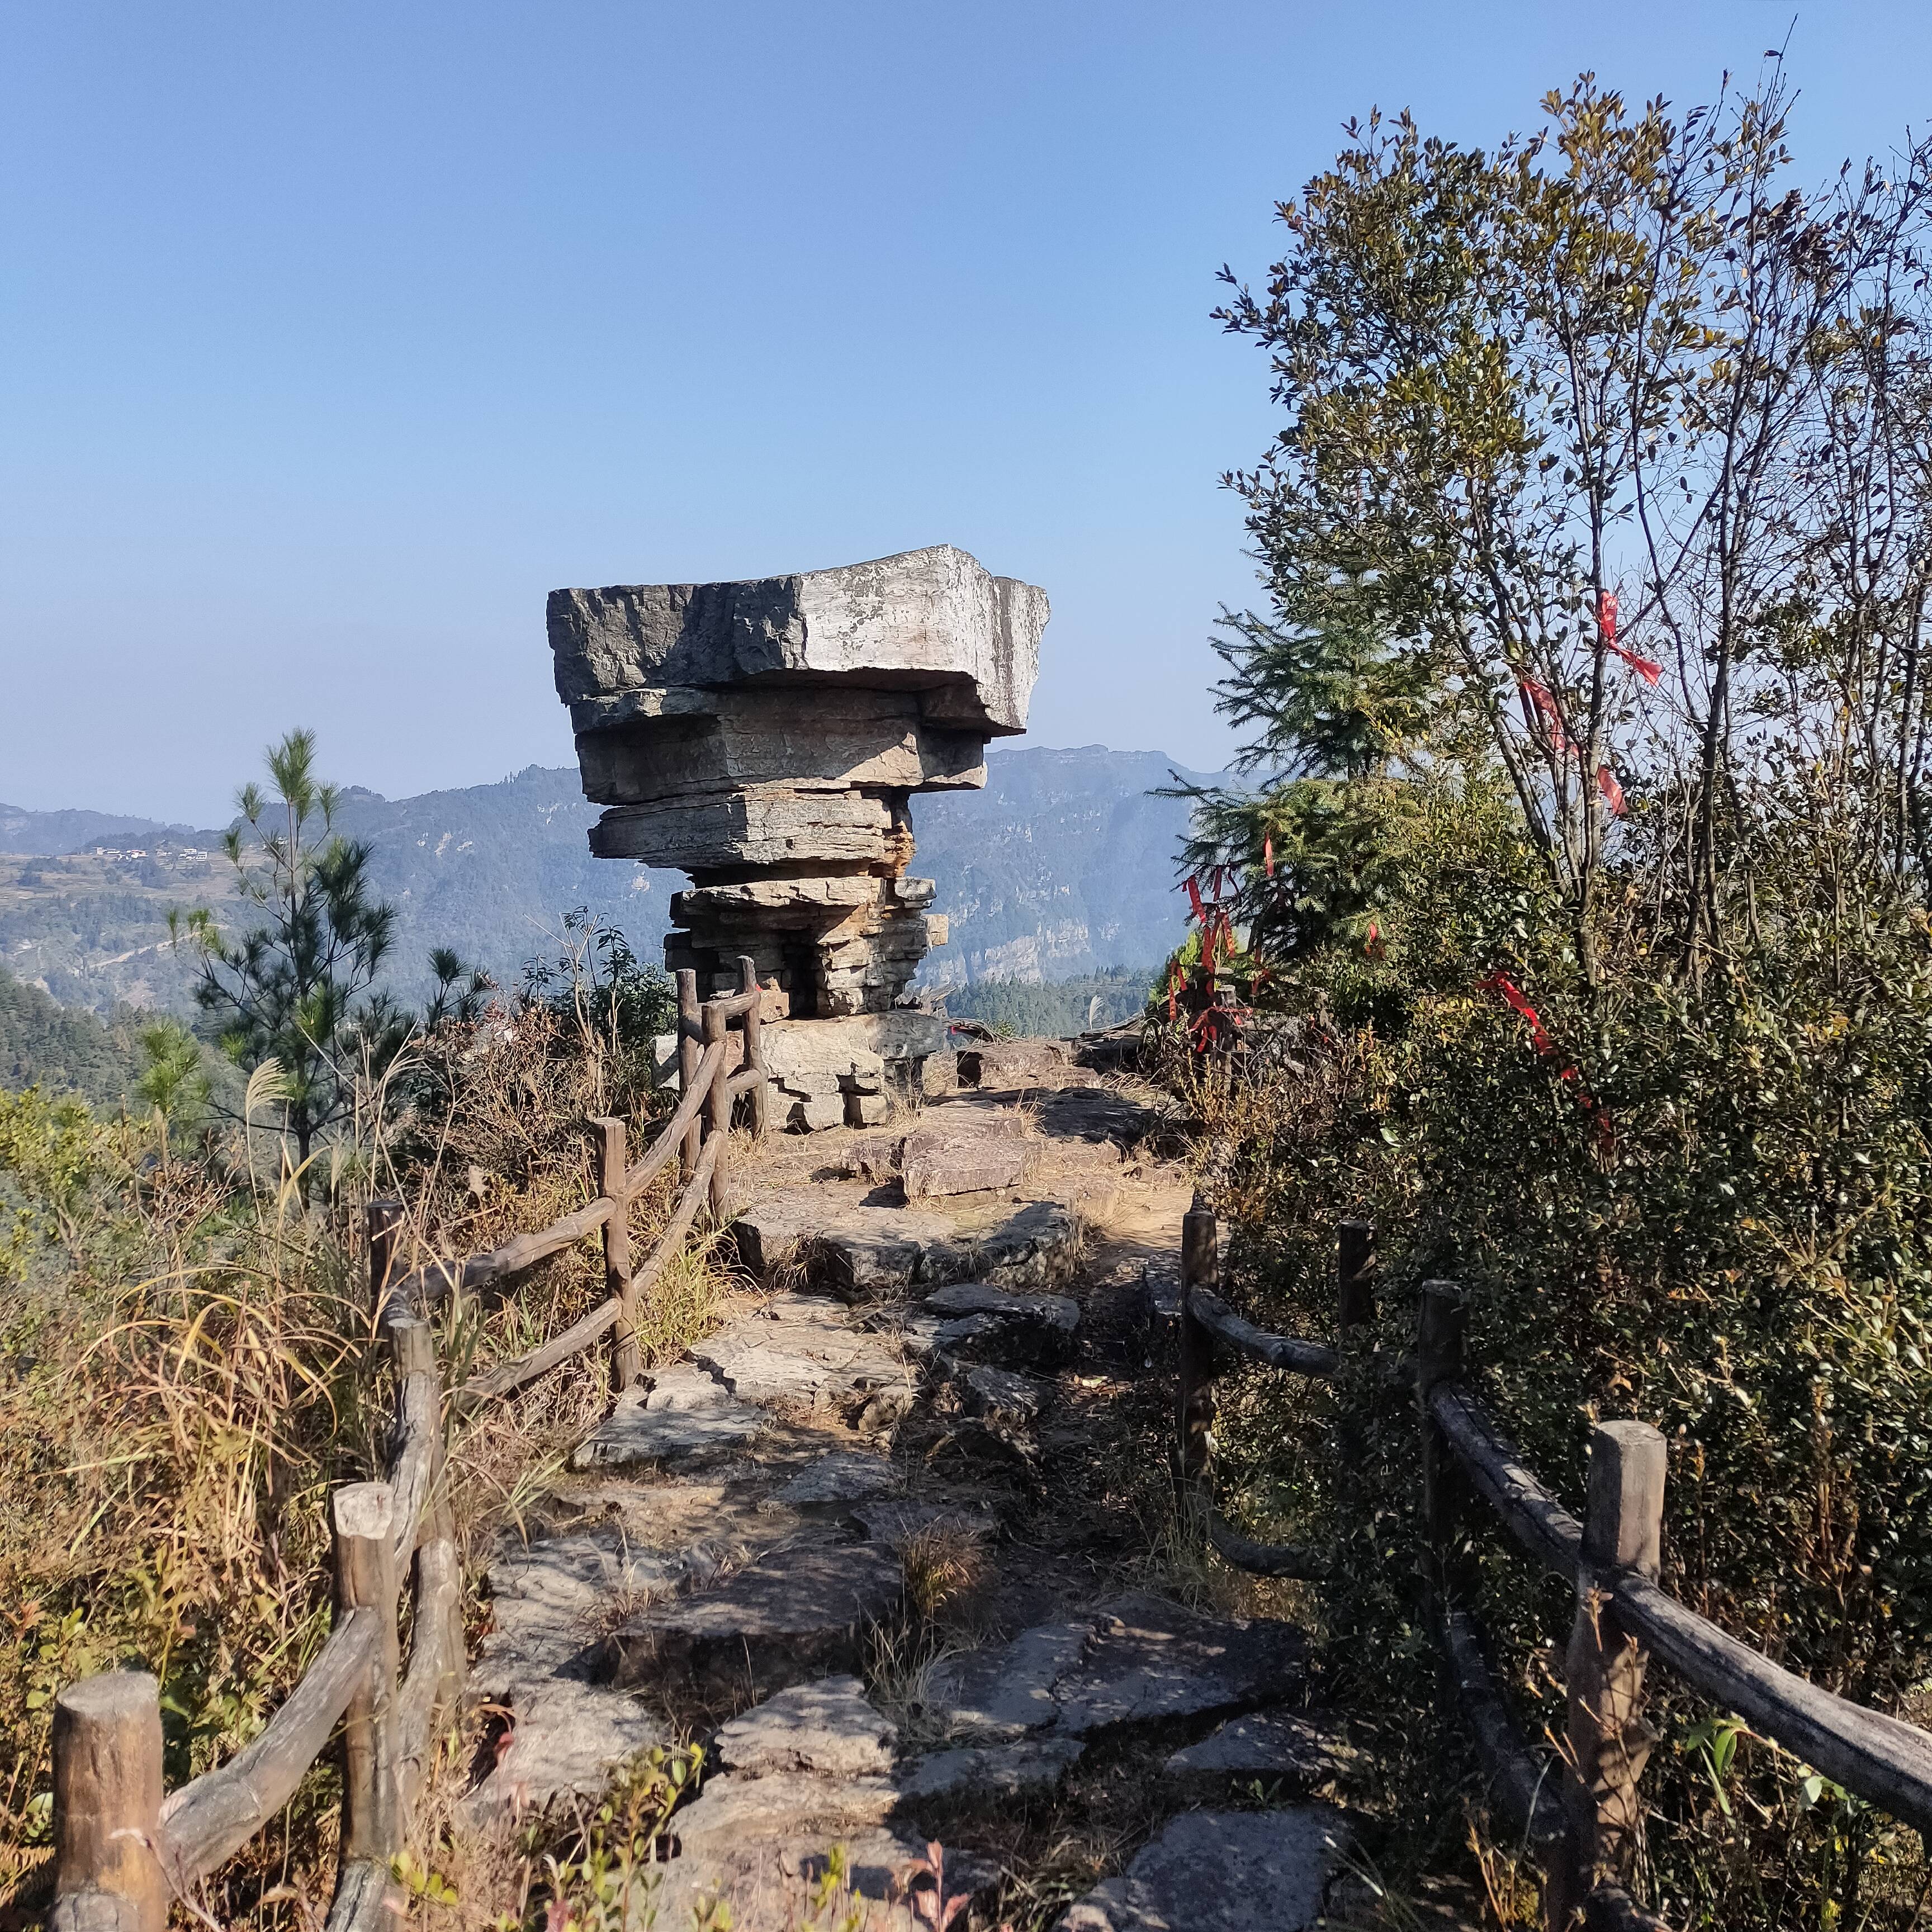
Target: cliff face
[[1061, 865]]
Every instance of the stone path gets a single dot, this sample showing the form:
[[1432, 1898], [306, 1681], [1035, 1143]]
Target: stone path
[[750, 1550]]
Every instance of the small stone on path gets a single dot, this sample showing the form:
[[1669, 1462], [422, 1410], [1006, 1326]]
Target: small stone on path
[[1022, 1770], [1221, 1871], [825, 1727], [998, 1395], [1268, 1744], [685, 1413]]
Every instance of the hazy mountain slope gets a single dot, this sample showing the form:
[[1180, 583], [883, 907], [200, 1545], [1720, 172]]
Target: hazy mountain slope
[[1062, 865], [44, 833]]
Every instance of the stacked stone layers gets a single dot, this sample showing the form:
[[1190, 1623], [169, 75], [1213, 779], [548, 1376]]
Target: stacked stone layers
[[767, 737]]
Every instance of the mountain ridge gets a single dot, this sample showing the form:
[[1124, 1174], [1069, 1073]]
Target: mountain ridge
[[1061, 866]]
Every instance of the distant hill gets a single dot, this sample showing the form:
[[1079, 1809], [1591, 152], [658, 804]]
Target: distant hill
[[1062, 867]]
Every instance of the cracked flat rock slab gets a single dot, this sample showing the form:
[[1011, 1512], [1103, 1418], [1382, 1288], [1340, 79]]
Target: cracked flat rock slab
[[685, 1414], [841, 1476], [803, 1353], [796, 1613], [1268, 1744], [825, 1727], [546, 1601], [566, 1738], [1136, 1660], [974, 1774], [1221, 1871]]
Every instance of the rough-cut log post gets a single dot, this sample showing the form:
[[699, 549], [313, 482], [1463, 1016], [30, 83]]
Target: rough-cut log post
[[718, 1118], [1194, 1412], [385, 1222], [1438, 1358], [688, 1052], [1608, 1742], [613, 1160], [107, 1805], [1355, 1317], [754, 1046], [362, 1516], [1354, 1276]]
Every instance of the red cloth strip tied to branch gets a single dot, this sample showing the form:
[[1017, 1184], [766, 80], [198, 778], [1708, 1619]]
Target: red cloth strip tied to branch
[[1613, 793], [1540, 695], [1192, 889], [1606, 615], [1644, 667], [1501, 983], [1268, 853]]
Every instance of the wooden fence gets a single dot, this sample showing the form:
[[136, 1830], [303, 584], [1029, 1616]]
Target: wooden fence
[[1582, 1819], [123, 1850]]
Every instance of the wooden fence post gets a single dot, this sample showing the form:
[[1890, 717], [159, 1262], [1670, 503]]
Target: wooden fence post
[[754, 1049], [1354, 1276], [718, 1118], [613, 1163], [1438, 1358], [1194, 1409], [385, 1221], [1608, 1742], [362, 1517], [107, 1806], [688, 1052]]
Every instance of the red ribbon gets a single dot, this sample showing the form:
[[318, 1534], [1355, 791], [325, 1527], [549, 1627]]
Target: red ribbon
[[1645, 668], [1613, 793], [1268, 853], [1539, 696], [1194, 899], [1606, 615]]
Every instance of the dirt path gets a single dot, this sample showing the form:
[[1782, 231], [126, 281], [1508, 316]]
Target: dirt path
[[890, 1545]]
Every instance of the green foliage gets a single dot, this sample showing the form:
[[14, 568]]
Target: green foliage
[[1692, 1182], [49, 1148], [173, 1082]]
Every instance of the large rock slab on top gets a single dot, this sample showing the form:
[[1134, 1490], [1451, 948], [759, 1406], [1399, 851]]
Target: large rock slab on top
[[797, 1614], [935, 622], [767, 736], [1221, 1871], [1136, 1660]]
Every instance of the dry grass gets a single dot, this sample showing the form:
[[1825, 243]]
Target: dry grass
[[191, 1367]]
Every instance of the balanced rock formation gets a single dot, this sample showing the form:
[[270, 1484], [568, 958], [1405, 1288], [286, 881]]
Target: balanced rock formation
[[766, 737]]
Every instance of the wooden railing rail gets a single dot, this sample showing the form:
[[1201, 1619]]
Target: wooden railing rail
[[122, 1849], [1581, 1816]]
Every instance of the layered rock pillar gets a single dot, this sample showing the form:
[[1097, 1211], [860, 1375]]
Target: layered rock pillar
[[766, 736]]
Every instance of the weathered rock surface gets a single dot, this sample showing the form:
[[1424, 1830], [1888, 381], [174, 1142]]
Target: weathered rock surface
[[938, 1163], [978, 1774], [796, 1614], [826, 1727], [1137, 1660], [566, 1738], [685, 1414], [1021, 1064], [801, 1352], [1221, 1871], [981, 1322], [841, 1476], [1271, 1745], [779, 726]]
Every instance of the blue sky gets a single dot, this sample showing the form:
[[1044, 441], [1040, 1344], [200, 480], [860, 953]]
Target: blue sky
[[333, 336]]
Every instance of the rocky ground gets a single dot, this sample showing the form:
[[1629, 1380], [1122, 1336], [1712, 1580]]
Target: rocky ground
[[892, 1544]]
